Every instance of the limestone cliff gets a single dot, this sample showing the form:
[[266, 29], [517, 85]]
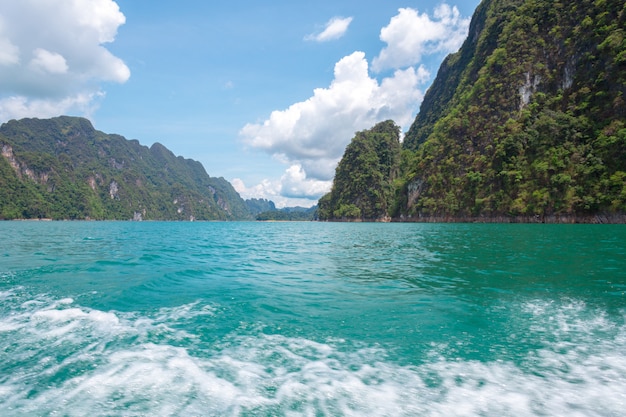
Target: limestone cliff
[[63, 168]]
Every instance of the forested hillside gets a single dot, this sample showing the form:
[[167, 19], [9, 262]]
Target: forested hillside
[[259, 205], [527, 120], [364, 183], [291, 214], [62, 168]]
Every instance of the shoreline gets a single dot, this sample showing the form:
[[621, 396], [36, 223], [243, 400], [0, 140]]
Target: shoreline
[[604, 218], [552, 219]]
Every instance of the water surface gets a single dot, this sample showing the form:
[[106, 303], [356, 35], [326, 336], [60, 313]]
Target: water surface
[[312, 319]]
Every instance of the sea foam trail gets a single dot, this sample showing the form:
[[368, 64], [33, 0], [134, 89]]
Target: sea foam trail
[[60, 358]]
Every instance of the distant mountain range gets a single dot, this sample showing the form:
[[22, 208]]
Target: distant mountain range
[[526, 122], [62, 168]]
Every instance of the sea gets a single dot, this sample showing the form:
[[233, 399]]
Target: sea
[[312, 319]]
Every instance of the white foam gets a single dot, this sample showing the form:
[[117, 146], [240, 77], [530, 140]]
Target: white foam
[[64, 323], [114, 369], [156, 375], [185, 311]]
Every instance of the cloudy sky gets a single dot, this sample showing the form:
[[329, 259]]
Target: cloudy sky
[[264, 94]]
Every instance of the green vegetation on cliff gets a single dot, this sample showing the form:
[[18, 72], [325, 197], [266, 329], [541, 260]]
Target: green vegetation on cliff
[[62, 168], [291, 214], [259, 205], [528, 119], [363, 187]]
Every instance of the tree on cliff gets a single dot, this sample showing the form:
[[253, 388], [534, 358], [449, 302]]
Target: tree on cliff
[[363, 185]]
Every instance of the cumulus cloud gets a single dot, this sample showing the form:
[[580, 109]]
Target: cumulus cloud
[[293, 188], [9, 53], [335, 29], [48, 62], [52, 56], [18, 107], [410, 35], [295, 184], [310, 136], [315, 132], [265, 189]]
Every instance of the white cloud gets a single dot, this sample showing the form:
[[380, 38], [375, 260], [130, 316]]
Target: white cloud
[[48, 61], [315, 132], [265, 189], [310, 136], [9, 53], [410, 35], [52, 58], [295, 184], [18, 107], [335, 29], [292, 189]]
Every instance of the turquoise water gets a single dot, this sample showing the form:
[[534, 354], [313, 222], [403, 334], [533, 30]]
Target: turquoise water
[[311, 319]]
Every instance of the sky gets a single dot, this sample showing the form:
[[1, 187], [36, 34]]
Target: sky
[[264, 94]]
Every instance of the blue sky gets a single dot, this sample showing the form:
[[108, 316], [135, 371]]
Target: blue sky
[[264, 94]]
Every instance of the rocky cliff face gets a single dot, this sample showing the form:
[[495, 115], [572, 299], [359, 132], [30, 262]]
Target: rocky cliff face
[[536, 121], [517, 48], [63, 168], [527, 119]]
